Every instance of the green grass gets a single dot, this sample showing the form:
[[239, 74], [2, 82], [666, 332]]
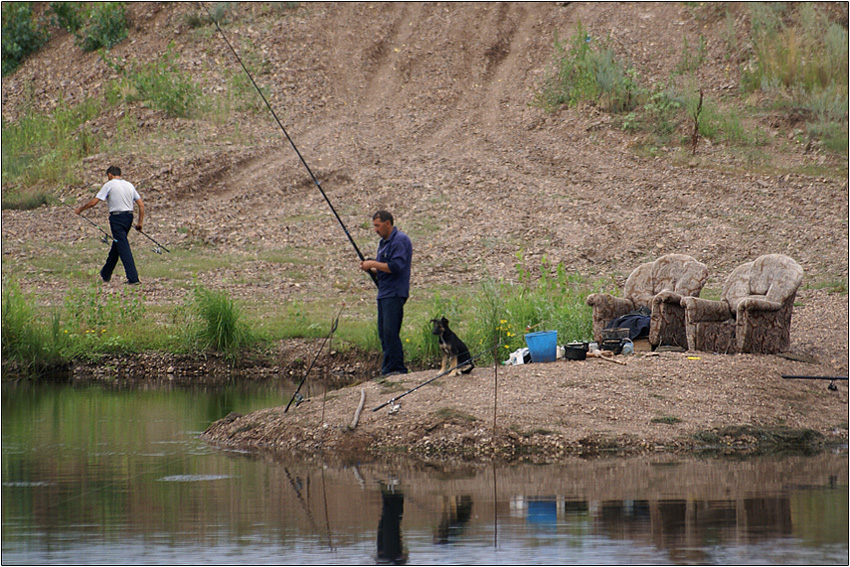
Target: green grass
[[96, 320], [46, 149]]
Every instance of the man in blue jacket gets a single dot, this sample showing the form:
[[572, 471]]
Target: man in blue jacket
[[392, 268]]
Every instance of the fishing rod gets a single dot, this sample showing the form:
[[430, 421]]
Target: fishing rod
[[832, 379], [296, 395], [106, 238], [425, 383], [291, 143], [159, 247]]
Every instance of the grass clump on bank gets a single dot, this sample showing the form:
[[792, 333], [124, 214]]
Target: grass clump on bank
[[46, 149], [29, 345], [220, 323]]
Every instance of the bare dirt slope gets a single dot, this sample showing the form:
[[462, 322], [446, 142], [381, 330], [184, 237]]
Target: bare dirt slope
[[424, 109]]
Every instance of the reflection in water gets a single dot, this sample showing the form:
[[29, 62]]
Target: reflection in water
[[455, 512], [390, 549]]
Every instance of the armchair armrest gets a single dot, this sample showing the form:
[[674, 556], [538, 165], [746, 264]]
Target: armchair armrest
[[610, 303], [667, 296], [758, 303], [698, 310]]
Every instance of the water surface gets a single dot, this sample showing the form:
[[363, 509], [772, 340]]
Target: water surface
[[117, 474]]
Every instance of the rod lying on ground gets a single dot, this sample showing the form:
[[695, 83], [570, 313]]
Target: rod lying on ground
[[816, 377], [440, 375], [291, 143], [318, 352], [831, 387]]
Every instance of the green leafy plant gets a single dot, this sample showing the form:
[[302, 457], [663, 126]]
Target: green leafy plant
[[22, 34], [67, 15], [105, 26]]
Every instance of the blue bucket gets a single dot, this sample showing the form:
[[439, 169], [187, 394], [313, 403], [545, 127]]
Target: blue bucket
[[542, 345]]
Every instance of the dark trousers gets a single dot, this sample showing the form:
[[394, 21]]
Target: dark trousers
[[390, 314], [120, 224]]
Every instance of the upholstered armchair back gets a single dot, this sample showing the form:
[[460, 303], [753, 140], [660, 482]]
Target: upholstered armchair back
[[775, 276], [679, 273], [737, 286]]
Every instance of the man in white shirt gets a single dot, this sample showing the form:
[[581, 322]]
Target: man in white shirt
[[120, 196]]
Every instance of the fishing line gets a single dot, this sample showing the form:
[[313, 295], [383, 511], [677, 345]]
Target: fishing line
[[289, 139]]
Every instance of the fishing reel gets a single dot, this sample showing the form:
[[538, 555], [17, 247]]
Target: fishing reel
[[157, 250], [104, 239]]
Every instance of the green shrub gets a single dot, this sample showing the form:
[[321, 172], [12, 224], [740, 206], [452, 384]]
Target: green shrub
[[21, 35], [105, 26], [587, 71], [67, 15]]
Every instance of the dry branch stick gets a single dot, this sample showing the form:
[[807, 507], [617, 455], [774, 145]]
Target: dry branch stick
[[359, 408]]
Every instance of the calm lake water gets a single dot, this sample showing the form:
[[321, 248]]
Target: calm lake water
[[117, 475]]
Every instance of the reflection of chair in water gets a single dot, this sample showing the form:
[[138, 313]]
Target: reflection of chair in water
[[390, 549], [659, 286], [455, 512]]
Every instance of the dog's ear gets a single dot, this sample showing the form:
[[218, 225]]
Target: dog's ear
[[444, 321]]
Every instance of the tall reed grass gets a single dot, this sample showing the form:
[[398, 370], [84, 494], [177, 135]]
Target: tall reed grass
[[29, 346]]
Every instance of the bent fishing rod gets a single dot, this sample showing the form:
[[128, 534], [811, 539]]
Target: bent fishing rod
[[291, 142], [106, 238], [425, 383], [296, 395]]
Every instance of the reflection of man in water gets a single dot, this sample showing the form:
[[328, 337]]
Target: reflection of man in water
[[389, 527]]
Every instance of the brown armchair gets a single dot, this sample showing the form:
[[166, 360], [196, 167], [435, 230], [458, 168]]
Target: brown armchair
[[754, 311], [660, 286]]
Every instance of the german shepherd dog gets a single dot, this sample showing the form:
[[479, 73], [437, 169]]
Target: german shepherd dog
[[455, 353]]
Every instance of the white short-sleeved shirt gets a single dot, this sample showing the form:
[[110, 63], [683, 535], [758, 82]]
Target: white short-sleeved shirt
[[119, 195]]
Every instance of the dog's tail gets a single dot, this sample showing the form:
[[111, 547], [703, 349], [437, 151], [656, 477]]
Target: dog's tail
[[466, 359]]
